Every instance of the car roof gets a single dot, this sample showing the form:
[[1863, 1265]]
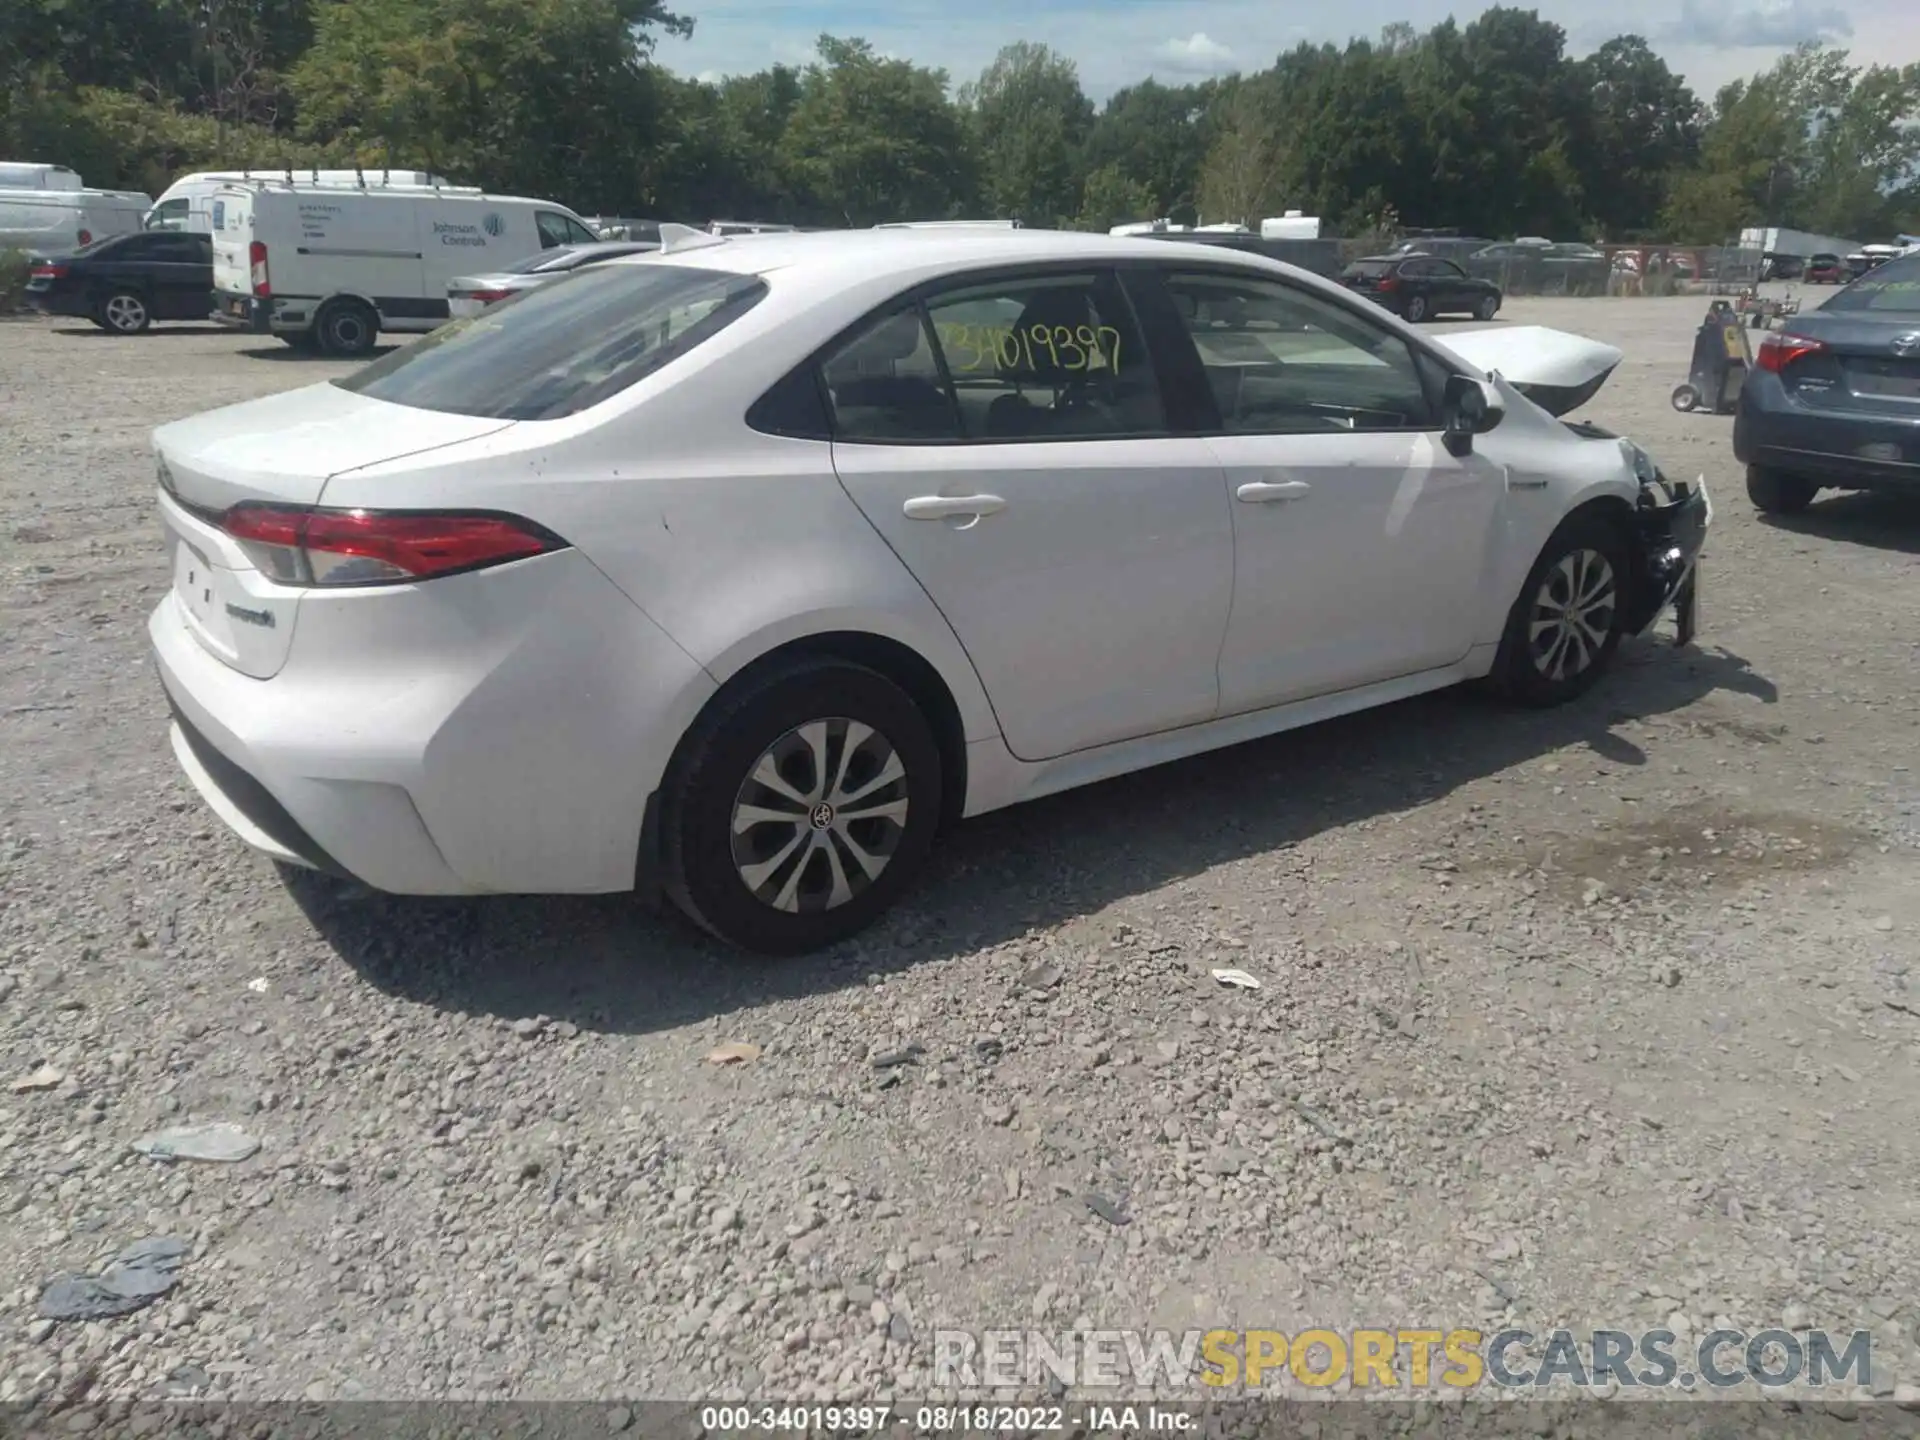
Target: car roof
[[908, 253]]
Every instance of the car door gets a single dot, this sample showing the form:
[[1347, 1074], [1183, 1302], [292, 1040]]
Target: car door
[[1453, 291], [1008, 439], [127, 264], [181, 267], [1417, 278], [1359, 542]]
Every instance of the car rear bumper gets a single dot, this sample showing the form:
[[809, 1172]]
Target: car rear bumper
[[241, 312], [1852, 452], [60, 302], [438, 761]]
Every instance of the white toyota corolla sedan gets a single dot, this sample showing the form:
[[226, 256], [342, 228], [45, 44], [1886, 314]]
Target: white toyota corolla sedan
[[738, 570]]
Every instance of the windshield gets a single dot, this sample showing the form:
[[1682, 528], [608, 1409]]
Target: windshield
[[1890, 288], [557, 349]]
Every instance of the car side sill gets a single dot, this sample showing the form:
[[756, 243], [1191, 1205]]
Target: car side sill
[[996, 779]]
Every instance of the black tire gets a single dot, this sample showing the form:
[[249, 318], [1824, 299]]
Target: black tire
[[1488, 307], [1774, 492], [1417, 309], [125, 312], [346, 329], [1524, 671], [702, 858], [1685, 398]]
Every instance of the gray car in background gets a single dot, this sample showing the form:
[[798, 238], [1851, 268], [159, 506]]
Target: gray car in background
[[470, 294]]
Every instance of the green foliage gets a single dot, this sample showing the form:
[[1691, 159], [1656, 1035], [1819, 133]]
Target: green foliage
[[1813, 143], [13, 280], [1112, 197], [1488, 127], [872, 139], [1029, 122]]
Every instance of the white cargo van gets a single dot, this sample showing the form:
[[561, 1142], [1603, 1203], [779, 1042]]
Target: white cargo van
[[187, 204], [47, 210], [334, 266]]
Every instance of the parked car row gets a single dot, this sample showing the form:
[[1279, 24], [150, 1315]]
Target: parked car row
[[319, 264]]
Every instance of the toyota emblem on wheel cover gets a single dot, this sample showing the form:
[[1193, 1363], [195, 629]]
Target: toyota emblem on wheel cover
[[1908, 344]]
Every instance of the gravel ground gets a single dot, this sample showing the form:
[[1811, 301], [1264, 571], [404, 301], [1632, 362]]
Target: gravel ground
[[1595, 1017]]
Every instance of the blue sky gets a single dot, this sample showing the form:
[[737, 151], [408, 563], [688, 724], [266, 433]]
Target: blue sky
[[1116, 42]]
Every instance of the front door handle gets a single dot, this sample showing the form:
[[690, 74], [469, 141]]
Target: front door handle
[[950, 507], [1526, 482], [1265, 492]]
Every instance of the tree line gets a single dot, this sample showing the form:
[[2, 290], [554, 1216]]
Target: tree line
[[1488, 128]]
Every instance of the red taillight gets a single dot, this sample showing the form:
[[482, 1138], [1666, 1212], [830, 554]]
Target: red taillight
[[1388, 282], [1779, 350], [257, 263], [86, 237], [487, 297], [379, 547], [49, 272]]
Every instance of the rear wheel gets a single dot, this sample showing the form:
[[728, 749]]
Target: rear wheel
[[1416, 309], [125, 313], [801, 808], [1564, 629], [346, 329], [1774, 492]]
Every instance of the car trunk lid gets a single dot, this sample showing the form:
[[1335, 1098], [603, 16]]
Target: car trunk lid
[[1852, 363], [280, 450]]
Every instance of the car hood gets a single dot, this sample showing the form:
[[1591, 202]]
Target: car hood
[[286, 447], [1556, 370]]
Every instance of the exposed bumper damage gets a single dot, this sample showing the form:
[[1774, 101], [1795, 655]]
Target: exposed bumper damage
[[1670, 528]]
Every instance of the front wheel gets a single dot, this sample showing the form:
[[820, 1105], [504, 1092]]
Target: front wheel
[[1685, 398], [1416, 309], [801, 808], [1564, 629], [1773, 492], [1488, 307]]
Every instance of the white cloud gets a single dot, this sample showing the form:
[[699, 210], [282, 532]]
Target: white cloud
[[1771, 24], [1198, 54]]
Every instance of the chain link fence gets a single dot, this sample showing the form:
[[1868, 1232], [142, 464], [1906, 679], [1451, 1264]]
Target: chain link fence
[[1599, 270]]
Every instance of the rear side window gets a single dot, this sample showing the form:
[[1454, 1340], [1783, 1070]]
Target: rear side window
[[1892, 288], [1038, 357], [563, 347]]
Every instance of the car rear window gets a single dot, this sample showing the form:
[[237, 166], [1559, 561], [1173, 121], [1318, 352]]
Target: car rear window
[[1371, 267], [563, 347], [1894, 286]]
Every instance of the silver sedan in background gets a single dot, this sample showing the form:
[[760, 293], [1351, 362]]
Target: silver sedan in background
[[470, 294]]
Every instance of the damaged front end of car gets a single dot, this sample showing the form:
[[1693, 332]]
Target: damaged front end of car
[[1559, 372], [1671, 518]]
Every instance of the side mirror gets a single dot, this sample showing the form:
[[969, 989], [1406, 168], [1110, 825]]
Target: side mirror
[[1470, 410]]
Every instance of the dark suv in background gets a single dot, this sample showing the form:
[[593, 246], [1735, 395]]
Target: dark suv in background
[[1421, 287], [125, 283]]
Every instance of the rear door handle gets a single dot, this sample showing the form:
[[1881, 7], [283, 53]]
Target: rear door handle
[[1526, 482], [1266, 492], [948, 507]]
